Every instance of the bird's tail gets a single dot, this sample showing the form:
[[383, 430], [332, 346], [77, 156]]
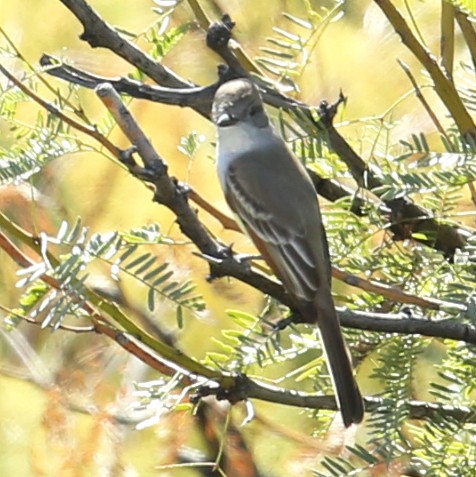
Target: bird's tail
[[348, 395]]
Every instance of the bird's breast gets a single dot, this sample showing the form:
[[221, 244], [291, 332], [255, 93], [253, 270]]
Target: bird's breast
[[239, 140]]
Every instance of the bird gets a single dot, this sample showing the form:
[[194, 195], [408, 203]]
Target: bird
[[275, 202]]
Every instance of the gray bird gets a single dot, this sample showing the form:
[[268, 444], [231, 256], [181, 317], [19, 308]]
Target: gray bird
[[276, 203]]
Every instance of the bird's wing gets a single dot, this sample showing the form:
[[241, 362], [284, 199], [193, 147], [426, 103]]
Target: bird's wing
[[290, 238], [281, 214]]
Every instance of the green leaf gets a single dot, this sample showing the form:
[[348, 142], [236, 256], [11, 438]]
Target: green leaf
[[146, 265], [155, 272], [246, 320], [138, 261], [163, 278], [179, 317], [151, 299]]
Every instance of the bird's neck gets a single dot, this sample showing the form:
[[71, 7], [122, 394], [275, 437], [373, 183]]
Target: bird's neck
[[239, 139]]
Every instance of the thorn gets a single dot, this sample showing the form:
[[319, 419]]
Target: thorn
[[126, 156]]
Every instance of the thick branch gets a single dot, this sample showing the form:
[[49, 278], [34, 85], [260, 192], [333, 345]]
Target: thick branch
[[416, 409], [98, 33], [400, 323], [195, 97], [244, 388]]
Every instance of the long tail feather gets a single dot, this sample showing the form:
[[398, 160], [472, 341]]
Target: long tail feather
[[348, 395]]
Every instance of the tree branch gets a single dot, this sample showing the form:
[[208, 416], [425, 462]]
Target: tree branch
[[444, 87], [196, 97], [244, 388], [98, 33], [447, 42], [469, 33], [422, 99], [401, 323]]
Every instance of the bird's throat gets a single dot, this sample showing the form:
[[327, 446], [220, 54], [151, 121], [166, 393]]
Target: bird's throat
[[239, 139]]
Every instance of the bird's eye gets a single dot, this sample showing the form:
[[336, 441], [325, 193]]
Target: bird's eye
[[255, 109]]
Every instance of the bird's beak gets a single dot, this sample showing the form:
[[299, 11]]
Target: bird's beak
[[225, 120]]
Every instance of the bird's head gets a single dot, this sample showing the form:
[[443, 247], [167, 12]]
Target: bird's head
[[238, 101]]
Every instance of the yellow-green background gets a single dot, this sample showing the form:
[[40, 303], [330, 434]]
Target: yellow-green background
[[40, 433]]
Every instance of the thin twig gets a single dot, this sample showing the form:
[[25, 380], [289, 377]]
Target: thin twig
[[226, 221], [90, 131], [199, 14], [447, 42], [31, 321], [422, 99], [396, 294], [445, 89], [469, 33], [26, 62], [472, 190]]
